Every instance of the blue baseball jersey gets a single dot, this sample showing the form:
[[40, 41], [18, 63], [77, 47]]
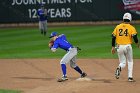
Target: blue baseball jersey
[[41, 14], [61, 42]]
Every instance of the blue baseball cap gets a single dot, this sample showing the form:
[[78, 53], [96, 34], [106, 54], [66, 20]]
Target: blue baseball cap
[[53, 34], [42, 5]]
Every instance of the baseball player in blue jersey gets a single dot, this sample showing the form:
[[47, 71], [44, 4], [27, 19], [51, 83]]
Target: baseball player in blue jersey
[[60, 41], [42, 14]]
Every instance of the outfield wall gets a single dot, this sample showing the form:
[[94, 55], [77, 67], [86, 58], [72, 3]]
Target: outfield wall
[[25, 11]]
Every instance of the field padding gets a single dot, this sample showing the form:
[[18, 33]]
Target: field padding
[[65, 23]]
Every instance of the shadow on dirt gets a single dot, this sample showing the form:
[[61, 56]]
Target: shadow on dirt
[[102, 80], [33, 78]]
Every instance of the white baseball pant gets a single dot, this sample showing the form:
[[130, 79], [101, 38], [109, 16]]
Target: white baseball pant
[[43, 25], [125, 54], [70, 56]]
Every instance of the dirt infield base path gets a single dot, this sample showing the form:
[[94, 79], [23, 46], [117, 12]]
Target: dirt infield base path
[[40, 76]]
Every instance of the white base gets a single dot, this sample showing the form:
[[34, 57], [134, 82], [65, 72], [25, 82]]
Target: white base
[[84, 79]]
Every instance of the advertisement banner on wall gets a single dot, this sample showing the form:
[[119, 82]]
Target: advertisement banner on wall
[[22, 11], [132, 5]]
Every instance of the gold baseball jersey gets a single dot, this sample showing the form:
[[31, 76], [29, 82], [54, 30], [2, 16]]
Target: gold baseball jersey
[[123, 33]]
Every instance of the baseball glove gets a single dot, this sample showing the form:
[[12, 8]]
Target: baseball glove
[[51, 42]]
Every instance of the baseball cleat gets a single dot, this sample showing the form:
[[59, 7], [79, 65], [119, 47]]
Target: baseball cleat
[[64, 78], [83, 75], [117, 73], [130, 79]]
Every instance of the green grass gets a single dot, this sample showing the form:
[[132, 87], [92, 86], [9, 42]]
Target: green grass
[[95, 42], [9, 91]]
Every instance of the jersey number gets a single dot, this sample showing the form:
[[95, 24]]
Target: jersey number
[[122, 33]]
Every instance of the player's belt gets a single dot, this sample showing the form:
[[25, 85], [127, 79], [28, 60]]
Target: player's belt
[[70, 48], [75, 47]]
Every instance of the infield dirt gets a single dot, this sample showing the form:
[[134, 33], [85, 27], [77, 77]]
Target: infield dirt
[[40, 76]]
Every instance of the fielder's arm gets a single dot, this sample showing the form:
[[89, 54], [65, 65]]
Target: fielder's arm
[[113, 44], [136, 40]]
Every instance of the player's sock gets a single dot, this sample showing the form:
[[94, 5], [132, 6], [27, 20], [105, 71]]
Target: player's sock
[[78, 69], [44, 33], [63, 66], [41, 31]]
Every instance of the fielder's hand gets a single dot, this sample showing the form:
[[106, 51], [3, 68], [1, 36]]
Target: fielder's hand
[[113, 50], [138, 45]]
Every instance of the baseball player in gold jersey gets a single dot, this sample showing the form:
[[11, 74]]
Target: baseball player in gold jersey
[[122, 36]]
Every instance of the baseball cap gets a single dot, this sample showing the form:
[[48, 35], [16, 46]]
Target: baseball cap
[[127, 16], [53, 34]]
